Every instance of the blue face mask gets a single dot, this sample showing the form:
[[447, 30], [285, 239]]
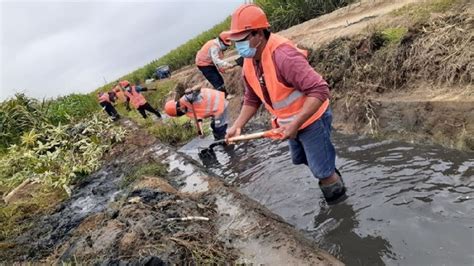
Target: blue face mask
[[245, 50]]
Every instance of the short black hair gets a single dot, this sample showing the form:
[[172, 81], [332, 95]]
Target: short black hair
[[266, 33]]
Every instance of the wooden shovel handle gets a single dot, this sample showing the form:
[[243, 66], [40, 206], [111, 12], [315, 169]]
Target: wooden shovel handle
[[257, 135], [271, 134]]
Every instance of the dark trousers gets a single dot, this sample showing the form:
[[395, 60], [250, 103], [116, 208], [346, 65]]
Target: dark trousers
[[218, 132], [110, 110], [213, 76], [147, 107]]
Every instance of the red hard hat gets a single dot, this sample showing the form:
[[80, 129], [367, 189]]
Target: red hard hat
[[246, 18], [170, 108], [224, 36]]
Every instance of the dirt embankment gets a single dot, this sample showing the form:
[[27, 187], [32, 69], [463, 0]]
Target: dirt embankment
[[175, 213], [397, 69]]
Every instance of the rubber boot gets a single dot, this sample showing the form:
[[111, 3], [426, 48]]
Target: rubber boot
[[218, 132], [335, 192]]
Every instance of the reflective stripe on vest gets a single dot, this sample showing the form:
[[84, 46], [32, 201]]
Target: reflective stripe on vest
[[136, 99], [208, 103], [295, 95], [288, 120], [287, 102], [203, 56]]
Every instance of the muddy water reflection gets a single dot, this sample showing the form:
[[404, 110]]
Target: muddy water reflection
[[408, 204]]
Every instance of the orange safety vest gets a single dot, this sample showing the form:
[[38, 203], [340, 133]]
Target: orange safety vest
[[209, 103], [104, 97], [203, 56], [136, 99], [287, 102], [120, 95]]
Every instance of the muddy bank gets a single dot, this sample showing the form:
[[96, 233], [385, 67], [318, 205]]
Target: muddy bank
[[411, 81], [108, 222]]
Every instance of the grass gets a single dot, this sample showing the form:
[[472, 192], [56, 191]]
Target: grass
[[283, 14], [71, 107], [174, 131], [394, 35], [421, 12], [149, 169], [21, 114], [59, 155], [18, 115]]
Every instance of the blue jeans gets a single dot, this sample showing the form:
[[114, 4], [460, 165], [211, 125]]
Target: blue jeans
[[313, 147]]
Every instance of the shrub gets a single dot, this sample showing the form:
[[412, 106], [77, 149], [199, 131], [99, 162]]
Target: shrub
[[174, 131], [57, 155], [70, 108], [17, 116]]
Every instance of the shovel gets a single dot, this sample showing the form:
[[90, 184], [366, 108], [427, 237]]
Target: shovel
[[209, 152]]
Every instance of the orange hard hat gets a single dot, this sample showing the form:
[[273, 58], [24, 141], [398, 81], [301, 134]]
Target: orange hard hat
[[224, 37], [246, 18], [124, 83], [170, 108]]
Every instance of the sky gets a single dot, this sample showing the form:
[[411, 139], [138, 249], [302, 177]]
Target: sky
[[54, 48]]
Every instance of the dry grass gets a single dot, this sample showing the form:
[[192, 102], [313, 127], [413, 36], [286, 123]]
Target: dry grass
[[444, 52], [202, 252], [439, 52]]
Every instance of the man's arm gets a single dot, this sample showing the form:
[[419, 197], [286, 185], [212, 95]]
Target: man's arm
[[295, 71], [199, 125], [219, 63], [246, 113]]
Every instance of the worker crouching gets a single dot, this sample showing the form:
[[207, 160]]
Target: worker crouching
[[199, 104], [105, 100]]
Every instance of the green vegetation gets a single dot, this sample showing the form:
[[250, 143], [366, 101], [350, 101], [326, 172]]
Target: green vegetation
[[394, 35], [174, 131], [149, 169], [72, 107], [21, 114], [18, 115], [422, 11], [58, 155], [283, 14], [163, 88], [53, 141]]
